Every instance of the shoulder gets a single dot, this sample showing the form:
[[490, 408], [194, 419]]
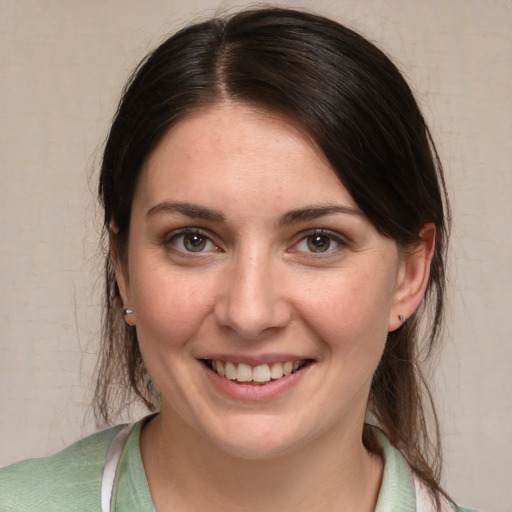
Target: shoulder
[[70, 479], [424, 502], [401, 490]]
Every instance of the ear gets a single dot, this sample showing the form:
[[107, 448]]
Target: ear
[[121, 268], [413, 277]]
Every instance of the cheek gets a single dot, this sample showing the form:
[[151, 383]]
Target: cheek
[[170, 308], [350, 316]]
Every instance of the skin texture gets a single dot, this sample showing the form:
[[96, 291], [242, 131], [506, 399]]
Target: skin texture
[[257, 193]]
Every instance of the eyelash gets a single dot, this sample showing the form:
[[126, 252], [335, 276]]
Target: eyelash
[[303, 238]]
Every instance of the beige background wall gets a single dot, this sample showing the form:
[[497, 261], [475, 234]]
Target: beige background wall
[[63, 64]]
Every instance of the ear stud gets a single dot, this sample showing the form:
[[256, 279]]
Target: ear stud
[[401, 318], [127, 312]]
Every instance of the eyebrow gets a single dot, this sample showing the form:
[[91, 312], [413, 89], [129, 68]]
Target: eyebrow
[[315, 212], [292, 217], [189, 209]]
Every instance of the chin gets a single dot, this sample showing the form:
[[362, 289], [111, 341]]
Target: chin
[[259, 440]]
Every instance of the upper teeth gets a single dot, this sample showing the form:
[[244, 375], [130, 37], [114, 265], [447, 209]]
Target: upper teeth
[[262, 373]]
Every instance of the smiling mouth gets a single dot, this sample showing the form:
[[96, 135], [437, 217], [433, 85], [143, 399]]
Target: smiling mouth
[[260, 374]]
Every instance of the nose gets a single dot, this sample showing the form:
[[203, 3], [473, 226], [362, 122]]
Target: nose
[[252, 303]]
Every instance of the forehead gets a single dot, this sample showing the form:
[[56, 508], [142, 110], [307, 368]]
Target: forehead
[[233, 153]]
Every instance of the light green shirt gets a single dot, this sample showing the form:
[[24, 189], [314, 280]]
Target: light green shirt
[[71, 479]]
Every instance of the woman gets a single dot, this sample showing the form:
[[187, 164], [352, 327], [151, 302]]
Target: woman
[[277, 222]]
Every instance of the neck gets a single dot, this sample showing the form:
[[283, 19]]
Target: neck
[[187, 473]]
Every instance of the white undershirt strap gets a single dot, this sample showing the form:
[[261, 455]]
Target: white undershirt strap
[[114, 452]]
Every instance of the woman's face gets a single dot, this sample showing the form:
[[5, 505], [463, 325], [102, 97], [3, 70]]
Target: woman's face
[[248, 257]]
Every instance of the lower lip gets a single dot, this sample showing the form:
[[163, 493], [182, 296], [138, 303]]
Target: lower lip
[[255, 392]]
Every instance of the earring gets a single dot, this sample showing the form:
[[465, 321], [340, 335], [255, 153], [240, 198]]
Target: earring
[[401, 318], [127, 312]]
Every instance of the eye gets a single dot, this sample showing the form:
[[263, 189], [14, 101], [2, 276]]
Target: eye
[[192, 240], [318, 242]]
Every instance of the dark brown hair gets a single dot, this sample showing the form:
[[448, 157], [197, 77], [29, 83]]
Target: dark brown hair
[[360, 112]]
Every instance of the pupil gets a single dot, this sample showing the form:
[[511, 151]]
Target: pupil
[[194, 242], [319, 243]]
